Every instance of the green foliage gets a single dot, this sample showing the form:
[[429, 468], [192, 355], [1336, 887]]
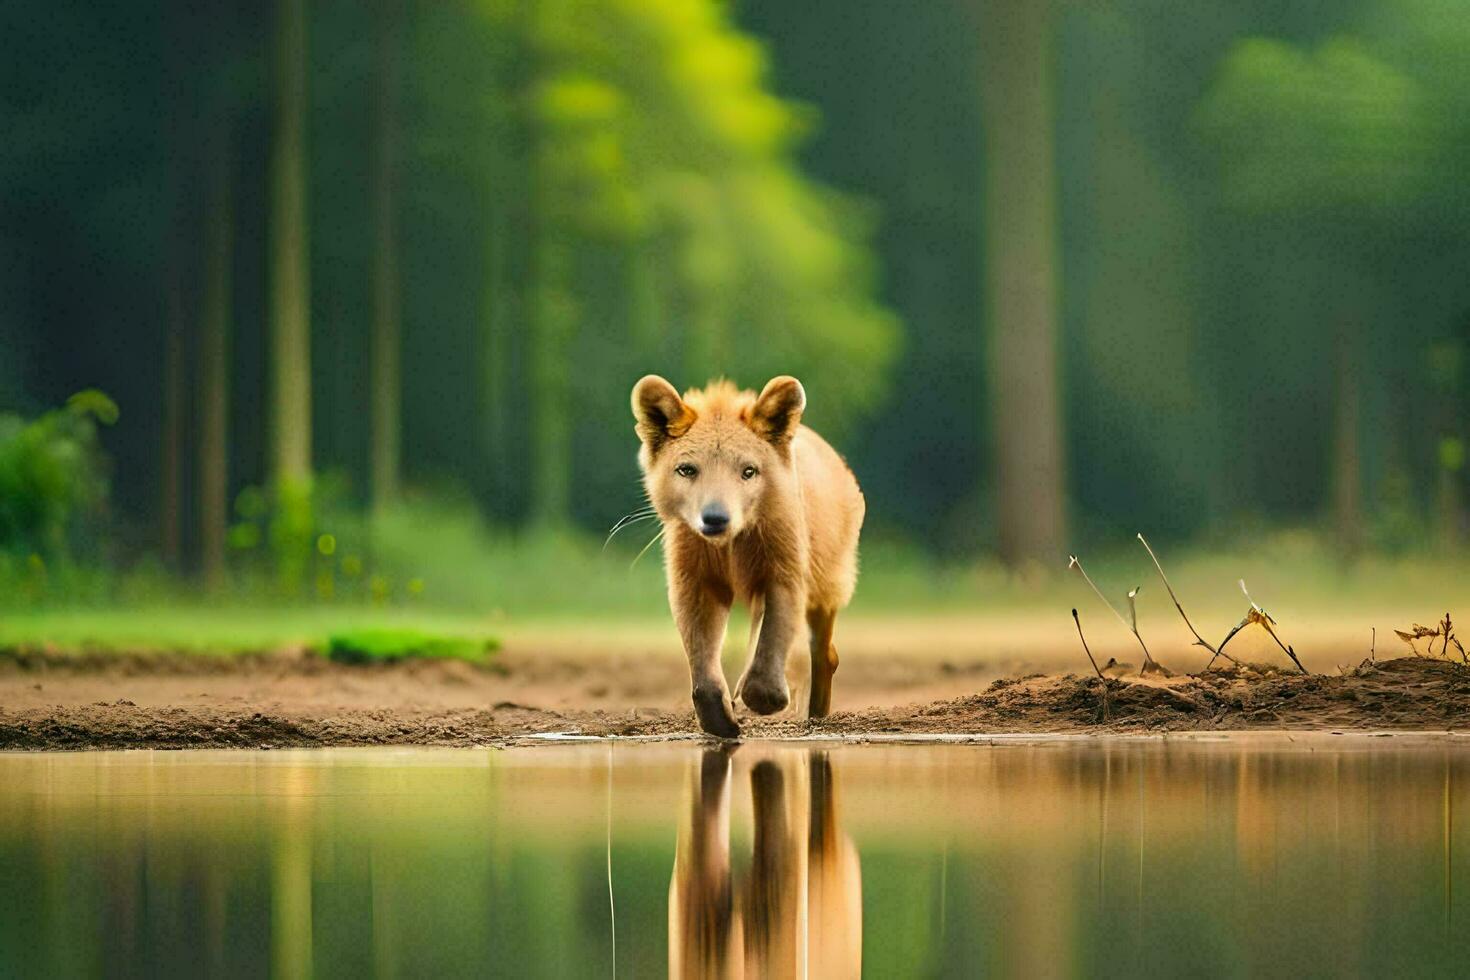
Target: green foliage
[[52, 475], [273, 533], [290, 534], [1335, 128], [593, 189], [365, 646], [308, 539], [461, 562], [1372, 119], [429, 551], [654, 131]]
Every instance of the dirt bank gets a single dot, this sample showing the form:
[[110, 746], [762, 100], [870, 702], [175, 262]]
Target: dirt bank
[[290, 699]]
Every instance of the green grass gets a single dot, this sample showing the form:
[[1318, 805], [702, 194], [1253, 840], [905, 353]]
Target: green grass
[[540, 591], [1281, 568], [224, 630], [364, 646]]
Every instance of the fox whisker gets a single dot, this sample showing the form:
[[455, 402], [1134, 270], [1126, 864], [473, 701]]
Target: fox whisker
[[645, 512], [626, 522], [646, 509], [638, 514], [652, 541]]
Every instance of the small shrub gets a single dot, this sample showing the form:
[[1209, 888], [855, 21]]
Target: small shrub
[[52, 475]]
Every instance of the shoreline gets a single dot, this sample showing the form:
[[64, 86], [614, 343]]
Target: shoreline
[[536, 700]]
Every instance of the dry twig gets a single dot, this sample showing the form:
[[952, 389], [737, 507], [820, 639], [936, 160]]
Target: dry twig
[[1093, 660], [1444, 631], [1198, 640], [1255, 614], [1148, 661]]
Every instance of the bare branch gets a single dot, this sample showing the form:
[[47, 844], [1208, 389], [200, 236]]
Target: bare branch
[[1093, 660], [1148, 659], [1270, 624], [1199, 640], [1255, 614], [1075, 562], [1220, 651]]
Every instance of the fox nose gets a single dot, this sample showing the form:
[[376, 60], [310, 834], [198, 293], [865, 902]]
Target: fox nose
[[713, 520]]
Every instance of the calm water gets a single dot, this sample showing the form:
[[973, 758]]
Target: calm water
[[1320, 856]]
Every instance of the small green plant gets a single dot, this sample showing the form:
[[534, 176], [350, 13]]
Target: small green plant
[[52, 476], [369, 646], [300, 537]]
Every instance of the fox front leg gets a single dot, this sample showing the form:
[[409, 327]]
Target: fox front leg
[[701, 617], [763, 687]]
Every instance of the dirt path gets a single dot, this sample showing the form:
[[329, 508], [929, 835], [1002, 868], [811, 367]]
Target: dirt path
[[296, 700]]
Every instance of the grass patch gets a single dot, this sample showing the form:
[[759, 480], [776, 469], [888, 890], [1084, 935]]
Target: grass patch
[[370, 646], [219, 630]]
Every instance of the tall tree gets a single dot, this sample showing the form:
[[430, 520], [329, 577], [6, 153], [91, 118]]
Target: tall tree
[[214, 352], [171, 498], [547, 295], [1338, 138], [387, 392], [290, 300], [498, 304], [550, 322], [182, 131], [1021, 277], [1347, 449]]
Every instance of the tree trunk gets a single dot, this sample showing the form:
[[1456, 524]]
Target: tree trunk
[[214, 357], [387, 393], [1347, 455], [497, 306], [504, 205], [172, 497], [1021, 279], [551, 424], [290, 301], [549, 316], [182, 132]]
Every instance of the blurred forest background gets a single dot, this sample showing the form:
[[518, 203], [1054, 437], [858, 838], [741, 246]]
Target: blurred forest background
[[343, 300]]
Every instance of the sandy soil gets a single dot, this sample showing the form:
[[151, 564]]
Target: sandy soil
[[293, 699]]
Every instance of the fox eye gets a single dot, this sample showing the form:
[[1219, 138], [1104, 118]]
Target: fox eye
[[687, 470], [748, 472]]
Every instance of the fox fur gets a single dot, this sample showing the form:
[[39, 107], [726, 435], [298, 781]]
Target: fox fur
[[756, 508]]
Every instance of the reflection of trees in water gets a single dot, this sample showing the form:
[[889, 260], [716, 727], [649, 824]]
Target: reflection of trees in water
[[1037, 859], [797, 911], [1165, 856]]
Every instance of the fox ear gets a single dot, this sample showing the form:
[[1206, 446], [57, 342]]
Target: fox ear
[[660, 412], [777, 412]]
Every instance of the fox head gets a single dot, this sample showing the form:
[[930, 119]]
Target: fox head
[[710, 458]]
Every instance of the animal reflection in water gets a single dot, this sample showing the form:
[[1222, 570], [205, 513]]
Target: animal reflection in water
[[798, 910]]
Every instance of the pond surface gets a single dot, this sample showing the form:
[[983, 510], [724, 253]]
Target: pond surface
[[1266, 856]]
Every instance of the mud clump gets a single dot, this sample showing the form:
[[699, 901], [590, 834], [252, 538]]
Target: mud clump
[[1410, 693]]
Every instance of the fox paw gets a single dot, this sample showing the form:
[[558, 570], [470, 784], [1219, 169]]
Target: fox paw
[[715, 714], [764, 697]]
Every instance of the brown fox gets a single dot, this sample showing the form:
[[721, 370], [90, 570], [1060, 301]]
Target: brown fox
[[756, 507]]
